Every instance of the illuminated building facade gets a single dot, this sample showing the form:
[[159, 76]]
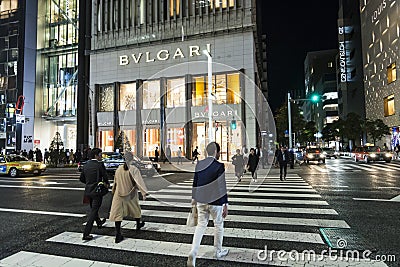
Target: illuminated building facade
[[380, 28], [139, 87]]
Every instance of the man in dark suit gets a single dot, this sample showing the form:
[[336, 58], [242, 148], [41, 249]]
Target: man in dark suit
[[210, 195], [283, 158], [92, 173]]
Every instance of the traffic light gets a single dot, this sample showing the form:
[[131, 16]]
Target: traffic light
[[233, 124], [315, 98]]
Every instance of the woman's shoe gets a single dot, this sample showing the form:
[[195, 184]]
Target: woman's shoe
[[99, 226], [139, 224], [118, 238]]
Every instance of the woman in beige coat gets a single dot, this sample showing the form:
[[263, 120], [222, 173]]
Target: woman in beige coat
[[125, 202]]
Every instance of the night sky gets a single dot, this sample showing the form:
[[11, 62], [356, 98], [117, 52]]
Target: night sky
[[294, 28]]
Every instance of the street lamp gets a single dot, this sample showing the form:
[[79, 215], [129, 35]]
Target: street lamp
[[209, 93]]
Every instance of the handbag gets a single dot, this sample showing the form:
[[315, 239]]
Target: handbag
[[101, 189], [192, 217]]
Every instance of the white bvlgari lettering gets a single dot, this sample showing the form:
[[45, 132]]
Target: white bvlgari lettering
[[123, 60], [148, 59], [194, 49], [178, 53], [166, 56], [137, 59]]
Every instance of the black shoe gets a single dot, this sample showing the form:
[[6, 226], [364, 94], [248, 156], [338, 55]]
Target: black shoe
[[99, 226], [139, 225], [281, 179], [118, 238], [87, 237]]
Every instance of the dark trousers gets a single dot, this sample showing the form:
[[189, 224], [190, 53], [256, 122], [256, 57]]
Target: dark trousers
[[95, 204], [283, 168]]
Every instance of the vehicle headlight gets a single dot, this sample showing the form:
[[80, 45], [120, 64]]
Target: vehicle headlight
[[310, 156], [43, 166], [149, 166], [373, 155], [322, 156], [388, 155], [324, 153], [26, 167]]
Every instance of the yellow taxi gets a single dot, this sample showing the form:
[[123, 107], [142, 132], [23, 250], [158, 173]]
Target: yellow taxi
[[14, 165]]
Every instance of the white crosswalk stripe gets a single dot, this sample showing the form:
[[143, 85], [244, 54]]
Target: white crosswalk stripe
[[276, 213], [347, 165]]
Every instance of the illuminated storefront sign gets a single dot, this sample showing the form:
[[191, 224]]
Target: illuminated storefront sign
[[162, 55], [342, 56], [378, 11]]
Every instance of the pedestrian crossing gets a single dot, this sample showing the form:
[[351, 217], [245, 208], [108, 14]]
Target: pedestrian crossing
[[280, 215], [348, 166]]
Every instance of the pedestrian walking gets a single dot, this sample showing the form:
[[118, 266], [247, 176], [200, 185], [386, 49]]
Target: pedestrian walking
[[283, 158], [78, 155], [125, 202], [39, 156], [209, 194], [245, 158], [195, 155], [156, 154], [253, 164], [92, 173], [180, 155], [238, 162], [46, 155], [168, 154]]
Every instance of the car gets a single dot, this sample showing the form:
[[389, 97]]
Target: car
[[314, 154], [15, 165], [112, 160], [330, 153], [371, 153]]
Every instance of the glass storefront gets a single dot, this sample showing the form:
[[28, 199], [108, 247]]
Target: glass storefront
[[176, 140], [106, 140], [151, 140], [151, 94], [176, 93], [127, 96]]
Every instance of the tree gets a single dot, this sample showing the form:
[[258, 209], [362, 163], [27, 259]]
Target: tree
[[329, 132], [56, 148], [352, 127], [306, 135], [377, 129], [122, 142]]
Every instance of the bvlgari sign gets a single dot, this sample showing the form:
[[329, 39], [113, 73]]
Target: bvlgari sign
[[163, 55], [342, 56]]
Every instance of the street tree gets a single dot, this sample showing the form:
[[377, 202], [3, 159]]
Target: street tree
[[377, 129], [352, 127], [329, 132], [306, 134]]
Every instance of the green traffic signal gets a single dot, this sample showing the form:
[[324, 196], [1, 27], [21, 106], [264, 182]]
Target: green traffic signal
[[315, 98], [233, 124]]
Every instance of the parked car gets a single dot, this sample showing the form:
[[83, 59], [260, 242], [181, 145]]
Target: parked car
[[330, 153], [314, 154], [371, 153], [112, 160], [14, 165]]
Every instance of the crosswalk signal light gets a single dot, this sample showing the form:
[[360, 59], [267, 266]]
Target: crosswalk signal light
[[315, 98], [233, 124]]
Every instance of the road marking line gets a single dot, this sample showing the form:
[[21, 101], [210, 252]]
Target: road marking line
[[43, 187], [43, 212], [255, 219], [394, 199], [36, 182], [246, 208], [242, 255], [245, 194], [183, 188], [357, 165], [164, 174], [25, 258], [317, 168], [243, 186], [228, 232]]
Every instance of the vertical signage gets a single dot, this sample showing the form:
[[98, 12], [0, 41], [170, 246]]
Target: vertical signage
[[342, 55]]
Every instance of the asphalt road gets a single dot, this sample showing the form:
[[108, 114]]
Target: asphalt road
[[45, 215]]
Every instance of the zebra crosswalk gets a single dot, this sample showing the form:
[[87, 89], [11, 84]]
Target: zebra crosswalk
[[348, 166], [280, 215]]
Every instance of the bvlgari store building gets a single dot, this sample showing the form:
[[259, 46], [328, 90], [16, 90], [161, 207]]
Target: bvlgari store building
[[156, 94]]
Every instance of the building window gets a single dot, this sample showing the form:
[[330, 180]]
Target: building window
[[107, 140], [222, 3], [388, 105], [226, 89], [127, 96], [199, 92], [151, 94], [176, 140], [151, 140], [8, 5], [174, 5], [106, 98], [176, 93], [391, 72]]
